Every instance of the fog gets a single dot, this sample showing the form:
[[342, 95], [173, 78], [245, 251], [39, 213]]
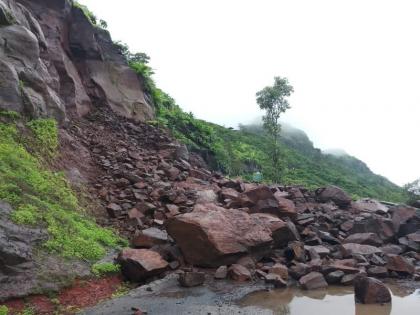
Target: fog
[[354, 65]]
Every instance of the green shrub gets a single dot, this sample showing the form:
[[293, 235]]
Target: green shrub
[[42, 197], [4, 310], [89, 14], [9, 114], [45, 135], [100, 269]]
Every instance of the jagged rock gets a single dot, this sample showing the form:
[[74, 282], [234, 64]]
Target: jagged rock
[[384, 228], [287, 208], [400, 264], [139, 264], [413, 241], [213, 236], [206, 196], [282, 232], [280, 270], [334, 194], [276, 280], [239, 273], [349, 249], [370, 205], [320, 250], [349, 279], [334, 277], [221, 272], [370, 291], [378, 272], [364, 239], [312, 281], [149, 237], [295, 251], [191, 279], [405, 220]]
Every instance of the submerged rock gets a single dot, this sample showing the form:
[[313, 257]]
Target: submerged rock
[[370, 291]]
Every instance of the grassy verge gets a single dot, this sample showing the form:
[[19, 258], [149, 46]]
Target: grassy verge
[[44, 198]]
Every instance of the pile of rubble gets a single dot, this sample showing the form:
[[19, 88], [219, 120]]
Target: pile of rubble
[[178, 215]]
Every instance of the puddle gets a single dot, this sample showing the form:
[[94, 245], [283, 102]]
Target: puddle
[[331, 301]]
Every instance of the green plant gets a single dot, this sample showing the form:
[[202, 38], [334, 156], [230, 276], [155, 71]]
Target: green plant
[[27, 311], [9, 114], [4, 310], [89, 14], [122, 290], [45, 135], [41, 197], [100, 269]]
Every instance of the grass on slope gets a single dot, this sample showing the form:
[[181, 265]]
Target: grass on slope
[[44, 198]]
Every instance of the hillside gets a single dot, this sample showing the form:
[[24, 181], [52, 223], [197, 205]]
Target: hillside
[[245, 151]]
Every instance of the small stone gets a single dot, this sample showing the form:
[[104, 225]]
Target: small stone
[[221, 272], [239, 273], [276, 280], [191, 279]]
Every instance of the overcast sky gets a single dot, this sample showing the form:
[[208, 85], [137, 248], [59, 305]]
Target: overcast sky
[[355, 66]]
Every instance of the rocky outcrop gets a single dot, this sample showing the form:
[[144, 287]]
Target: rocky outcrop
[[24, 270], [54, 62]]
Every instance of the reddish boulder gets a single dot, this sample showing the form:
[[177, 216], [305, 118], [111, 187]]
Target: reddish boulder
[[239, 273], [369, 205], [400, 264], [139, 264], [282, 232], [212, 236], [280, 270], [149, 238], [334, 194], [287, 208], [370, 291], [276, 280], [312, 281]]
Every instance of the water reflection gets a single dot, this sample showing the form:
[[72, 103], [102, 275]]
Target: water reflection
[[331, 301]]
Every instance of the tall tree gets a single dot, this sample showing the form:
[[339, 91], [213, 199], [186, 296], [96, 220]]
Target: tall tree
[[273, 99]]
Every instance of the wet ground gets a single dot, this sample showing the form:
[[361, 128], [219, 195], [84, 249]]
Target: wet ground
[[224, 297]]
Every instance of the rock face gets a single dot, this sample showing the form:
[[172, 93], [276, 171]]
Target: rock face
[[370, 291], [139, 264], [22, 271], [213, 236], [54, 62]]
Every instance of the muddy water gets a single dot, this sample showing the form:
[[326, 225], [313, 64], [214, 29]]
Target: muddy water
[[331, 301]]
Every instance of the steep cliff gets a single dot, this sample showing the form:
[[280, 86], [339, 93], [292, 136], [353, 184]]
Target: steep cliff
[[54, 62]]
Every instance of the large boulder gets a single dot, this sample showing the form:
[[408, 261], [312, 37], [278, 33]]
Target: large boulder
[[406, 220], [370, 291], [140, 264], [334, 194], [399, 264], [212, 236], [378, 225], [370, 205]]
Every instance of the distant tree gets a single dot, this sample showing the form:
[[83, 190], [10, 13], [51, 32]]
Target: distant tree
[[273, 100], [413, 191]]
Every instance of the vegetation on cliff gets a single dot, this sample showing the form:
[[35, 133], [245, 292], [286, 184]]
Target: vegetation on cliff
[[44, 198]]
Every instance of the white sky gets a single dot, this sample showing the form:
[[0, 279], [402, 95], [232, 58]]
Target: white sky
[[355, 66]]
